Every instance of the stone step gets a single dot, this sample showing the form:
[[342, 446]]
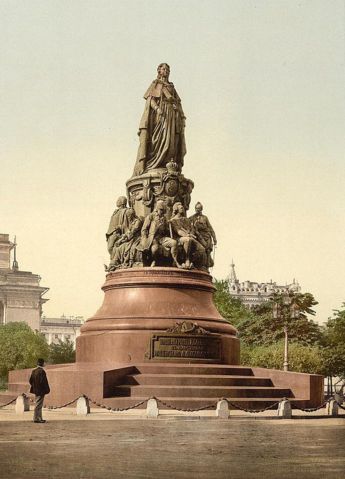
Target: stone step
[[175, 368], [195, 379], [201, 391]]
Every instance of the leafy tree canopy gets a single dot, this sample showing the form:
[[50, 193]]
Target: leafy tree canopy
[[312, 348], [229, 307], [62, 352], [20, 347], [335, 327], [258, 326], [334, 344], [334, 361], [267, 330], [302, 358]]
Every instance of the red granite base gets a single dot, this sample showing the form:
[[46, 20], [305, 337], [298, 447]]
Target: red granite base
[[139, 303], [179, 385]]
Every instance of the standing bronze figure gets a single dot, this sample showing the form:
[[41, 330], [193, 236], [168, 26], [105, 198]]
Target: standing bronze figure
[[204, 232], [161, 129]]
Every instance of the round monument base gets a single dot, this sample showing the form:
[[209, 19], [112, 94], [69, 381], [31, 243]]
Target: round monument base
[[151, 314]]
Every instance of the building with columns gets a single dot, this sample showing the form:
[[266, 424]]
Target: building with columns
[[21, 295], [63, 328], [251, 293], [21, 299]]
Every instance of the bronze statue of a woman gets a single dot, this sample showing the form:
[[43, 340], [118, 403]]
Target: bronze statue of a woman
[[161, 129]]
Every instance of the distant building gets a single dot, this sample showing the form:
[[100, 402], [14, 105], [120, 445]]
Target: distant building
[[253, 294], [21, 299], [63, 328], [20, 291]]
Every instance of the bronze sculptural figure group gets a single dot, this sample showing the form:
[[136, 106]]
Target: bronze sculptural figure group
[[154, 230], [159, 241]]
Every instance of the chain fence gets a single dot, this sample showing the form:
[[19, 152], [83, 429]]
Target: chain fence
[[209, 406], [253, 411], [170, 406], [313, 409], [64, 405], [7, 404], [117, 409]]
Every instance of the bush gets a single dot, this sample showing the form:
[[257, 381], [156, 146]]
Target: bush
[[62, 352], [304, 359]]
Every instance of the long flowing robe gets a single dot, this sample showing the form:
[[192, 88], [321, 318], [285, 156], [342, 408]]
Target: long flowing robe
[[161, 135], [119, 222], [127, 250]]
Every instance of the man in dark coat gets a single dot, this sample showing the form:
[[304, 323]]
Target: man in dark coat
[[39, 387]]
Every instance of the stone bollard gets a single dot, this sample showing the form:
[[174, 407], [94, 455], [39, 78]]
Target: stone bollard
[[284, 409], [83, 406], [332, 408], [22, 404], [222, 411], [152, 409]]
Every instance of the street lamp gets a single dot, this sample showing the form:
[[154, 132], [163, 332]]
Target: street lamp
[[285, 307]]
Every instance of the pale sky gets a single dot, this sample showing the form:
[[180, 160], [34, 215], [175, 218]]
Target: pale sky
[[262, 86]]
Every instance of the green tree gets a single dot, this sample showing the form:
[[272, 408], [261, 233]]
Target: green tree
[[302, 358], [268, 356], [62, 352], [333, 358], [335, 327], [258, 326], [232, 309], [334, 344], [262, 334], [263, 328], [20, 347]]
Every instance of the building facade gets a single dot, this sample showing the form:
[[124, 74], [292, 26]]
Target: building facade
[[252, 294], [21, 296], [63, 328]]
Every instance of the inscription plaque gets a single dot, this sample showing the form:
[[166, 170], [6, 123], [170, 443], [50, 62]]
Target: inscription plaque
[[185, 346]]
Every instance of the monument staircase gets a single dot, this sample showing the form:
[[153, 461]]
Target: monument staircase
[[195, 386], [176, 385]]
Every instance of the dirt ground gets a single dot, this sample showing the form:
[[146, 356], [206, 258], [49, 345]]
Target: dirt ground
[[170, 447]]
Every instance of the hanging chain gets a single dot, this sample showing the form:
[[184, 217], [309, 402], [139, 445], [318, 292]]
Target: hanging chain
[[7, 404], [170, 406]]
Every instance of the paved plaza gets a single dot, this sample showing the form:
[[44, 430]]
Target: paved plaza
[[107, 445]]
